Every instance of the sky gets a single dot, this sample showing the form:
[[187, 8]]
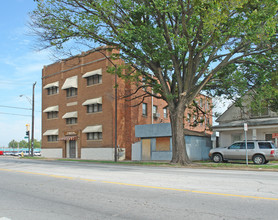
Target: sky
[[20, 67]]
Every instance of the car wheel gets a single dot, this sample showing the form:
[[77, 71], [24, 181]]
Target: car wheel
[[217, 158], [258, 159]]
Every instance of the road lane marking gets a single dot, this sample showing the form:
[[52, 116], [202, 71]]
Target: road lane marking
[[142, 186], [193, 191]]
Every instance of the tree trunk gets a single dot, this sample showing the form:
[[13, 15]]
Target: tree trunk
[[179, 154]]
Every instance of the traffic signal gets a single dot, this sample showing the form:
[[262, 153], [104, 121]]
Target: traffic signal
[[27, 133]]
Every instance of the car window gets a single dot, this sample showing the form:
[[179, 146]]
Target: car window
[[250, 145], [265, 145], [235, 146]]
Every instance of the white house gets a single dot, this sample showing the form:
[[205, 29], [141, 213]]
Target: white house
[[261, 124]]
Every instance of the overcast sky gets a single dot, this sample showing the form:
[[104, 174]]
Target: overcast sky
[[21, 66]]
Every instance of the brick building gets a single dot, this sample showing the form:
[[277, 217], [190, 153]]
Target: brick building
[[78, 110]]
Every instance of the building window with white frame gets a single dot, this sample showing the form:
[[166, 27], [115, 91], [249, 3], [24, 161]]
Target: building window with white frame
[[93, 132], [95, 79], [52, 115], [94, 108], [154, 109], [71, 121], [71, 92], [144, 109], [52, 112], [70, 85], [93, 105], [188, 118], [165, 112], [52, 90], [52, 138], [94, 136]]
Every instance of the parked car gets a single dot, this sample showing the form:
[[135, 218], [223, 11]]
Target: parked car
[[37, 153], [260, 152], [8, 153]]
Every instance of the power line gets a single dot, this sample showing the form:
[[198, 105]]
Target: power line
[[6, 106], [4, 113]]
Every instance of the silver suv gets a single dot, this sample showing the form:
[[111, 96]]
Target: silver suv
[[260, 152]]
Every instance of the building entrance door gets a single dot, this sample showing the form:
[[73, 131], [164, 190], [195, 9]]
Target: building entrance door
[[146, 149], [72, 149]]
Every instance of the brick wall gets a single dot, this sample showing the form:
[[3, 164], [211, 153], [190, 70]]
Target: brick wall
[[129, 112]]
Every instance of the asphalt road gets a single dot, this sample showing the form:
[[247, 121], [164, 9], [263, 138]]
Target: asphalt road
[[35, 189]]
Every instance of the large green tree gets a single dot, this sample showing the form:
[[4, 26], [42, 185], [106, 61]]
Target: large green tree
[[182, 43], [13, 144]]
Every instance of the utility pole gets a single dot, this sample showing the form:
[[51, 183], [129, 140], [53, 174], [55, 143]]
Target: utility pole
[[33, 106], [116, 114]]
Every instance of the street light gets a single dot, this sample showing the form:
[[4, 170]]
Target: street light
[[32, 102]]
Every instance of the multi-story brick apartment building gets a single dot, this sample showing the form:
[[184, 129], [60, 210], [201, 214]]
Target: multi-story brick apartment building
[[78, 109]]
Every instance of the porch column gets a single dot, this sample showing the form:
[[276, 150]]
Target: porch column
[[254, 134]]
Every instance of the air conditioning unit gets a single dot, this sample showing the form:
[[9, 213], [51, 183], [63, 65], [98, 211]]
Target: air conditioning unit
[[156, 115]]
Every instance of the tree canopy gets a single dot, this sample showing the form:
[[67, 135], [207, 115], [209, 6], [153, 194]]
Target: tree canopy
[[185, 44]]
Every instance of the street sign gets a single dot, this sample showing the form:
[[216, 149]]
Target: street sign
[[26, 137], [275, 135], [245, 127]]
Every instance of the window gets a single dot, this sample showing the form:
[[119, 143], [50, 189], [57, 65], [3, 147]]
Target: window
[[51, 115], [265, 145], [249, 146], [95, 79], [154, 109], [94, 136], [235, 146], [242, 146], [163, 144], [71, 92], [144, 109], [188, 118], [71, 120], [94, 108], [52, 90], [52, 138], [165, 113]]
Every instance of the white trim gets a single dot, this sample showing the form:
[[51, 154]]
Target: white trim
[[241, 128], [70, 82], [90, 129], [92, 73], [93, 101], [70, 115], [52, 109], [51, 132], [54, 84]]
